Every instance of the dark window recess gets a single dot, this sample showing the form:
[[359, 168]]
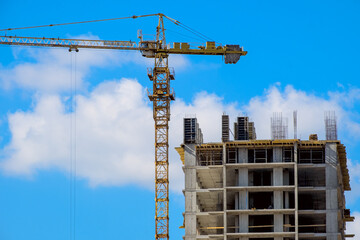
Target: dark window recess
[[261, 238], [262, 177], [315, 156], [269, 155], [288, 177], [312, 223], [251, 156], [291, 178], [261, 223], [260, 155], [311, 177], [261, 200], [312, 201], [209, 157], [231, 158], [288, 155], [289, 224], [291, 200], [318, 156]]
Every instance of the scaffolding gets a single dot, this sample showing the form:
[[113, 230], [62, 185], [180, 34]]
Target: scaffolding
[[330, 125], [279, 126]]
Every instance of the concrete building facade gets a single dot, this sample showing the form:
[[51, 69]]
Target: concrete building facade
[[264, 189]]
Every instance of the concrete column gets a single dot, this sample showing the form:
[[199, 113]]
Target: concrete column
[[296, 191], [243, 177], [332, 208], [242, 155], [243, 223], [277, 154], [278, 177], [243, 200], [278, 223], [287, 200], [278, 200], [191, 206], [286, 178], [224, 191]]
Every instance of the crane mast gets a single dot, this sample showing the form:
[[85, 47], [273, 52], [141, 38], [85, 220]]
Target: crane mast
[[161, 97], [161, 94]]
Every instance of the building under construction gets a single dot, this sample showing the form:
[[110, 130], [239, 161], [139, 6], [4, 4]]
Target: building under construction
[[264, 189]]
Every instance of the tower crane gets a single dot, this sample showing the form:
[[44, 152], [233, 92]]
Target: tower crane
[[161, 94]]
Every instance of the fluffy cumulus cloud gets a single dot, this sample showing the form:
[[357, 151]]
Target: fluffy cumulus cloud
[[354, 227], [113, 136], [310, 111], [54, 64], [114, 130]]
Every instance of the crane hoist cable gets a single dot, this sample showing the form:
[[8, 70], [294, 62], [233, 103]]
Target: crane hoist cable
[[73, 145]]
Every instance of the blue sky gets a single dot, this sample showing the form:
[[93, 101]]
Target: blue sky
[[302, 56]]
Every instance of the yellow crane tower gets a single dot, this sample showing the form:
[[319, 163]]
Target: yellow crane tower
[[161, 94]]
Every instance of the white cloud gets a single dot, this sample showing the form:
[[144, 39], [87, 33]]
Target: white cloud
[[115, 127], [50, 69], [115, 131], [114, 135], [353, 196], [354, 227]]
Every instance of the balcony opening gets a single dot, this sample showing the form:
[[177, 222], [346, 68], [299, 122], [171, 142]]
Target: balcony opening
[[261, 200], [288, 155], [311, 177], [260, 177], [312, 200], [231, 155], [314, 223], [260, 155], [209, 157], [314, 156], [261, 223]]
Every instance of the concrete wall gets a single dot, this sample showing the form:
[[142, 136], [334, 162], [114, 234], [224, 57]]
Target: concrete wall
[[190, 194], [331, 191]]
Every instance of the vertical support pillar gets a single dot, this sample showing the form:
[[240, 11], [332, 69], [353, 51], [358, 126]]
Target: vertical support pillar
[[296, 191], [191, 185], [277, 154], [331, 191], [242, 155], [243, 199], [278, 200], [224, 191]]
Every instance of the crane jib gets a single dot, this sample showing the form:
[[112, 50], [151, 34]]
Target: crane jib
[[58, 42], [232, 53]]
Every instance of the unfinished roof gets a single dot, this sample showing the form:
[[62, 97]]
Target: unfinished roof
[[280, 143]]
